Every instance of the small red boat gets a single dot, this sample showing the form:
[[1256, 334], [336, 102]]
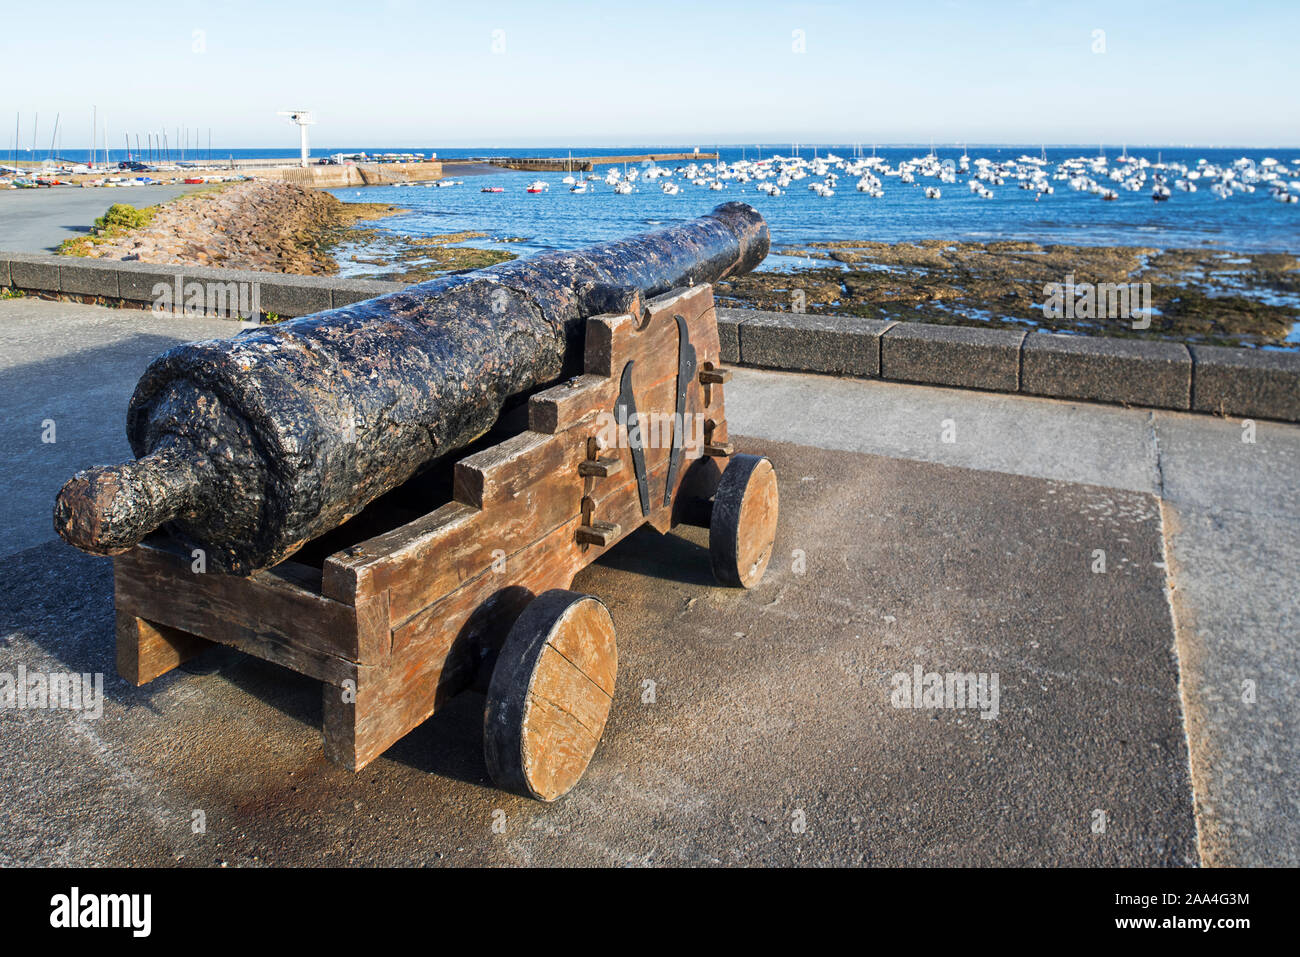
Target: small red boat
[[493, 189], [193, 180]]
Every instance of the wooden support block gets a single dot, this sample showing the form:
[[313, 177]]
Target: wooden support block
[[714, 376], [360, 723], [146, 650], [598, 533], [267, 614], [719, 451], [339, 729], [564, 406], [601, 467]]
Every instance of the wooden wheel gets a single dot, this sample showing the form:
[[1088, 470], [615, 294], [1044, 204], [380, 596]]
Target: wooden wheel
[[743, 525], [550, 695]]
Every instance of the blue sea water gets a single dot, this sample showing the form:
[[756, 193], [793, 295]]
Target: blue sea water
[[558, 219]]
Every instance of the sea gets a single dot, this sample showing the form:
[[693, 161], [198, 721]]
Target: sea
[[559, 219]]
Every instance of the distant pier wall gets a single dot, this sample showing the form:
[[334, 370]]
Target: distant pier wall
[[586, 164], [362, 174]]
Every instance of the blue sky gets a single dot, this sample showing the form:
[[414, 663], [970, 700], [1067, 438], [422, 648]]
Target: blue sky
[[421, 74]]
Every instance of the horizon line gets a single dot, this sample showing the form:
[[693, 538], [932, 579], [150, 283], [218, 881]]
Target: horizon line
[[678, 147]]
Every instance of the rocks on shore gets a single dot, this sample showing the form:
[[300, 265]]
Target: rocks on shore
[[1199, 295], [399, 258], [259, 225]]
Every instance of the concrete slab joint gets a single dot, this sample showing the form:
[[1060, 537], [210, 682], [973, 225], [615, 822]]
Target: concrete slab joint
[[838, 345], [1126, 372], [88, 278], [728, 336], [34, 272], [959, 356], [148, 283], [1246, 382]]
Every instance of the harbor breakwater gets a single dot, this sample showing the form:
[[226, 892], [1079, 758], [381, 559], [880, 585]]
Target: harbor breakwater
[[585, 164], [333, 176]]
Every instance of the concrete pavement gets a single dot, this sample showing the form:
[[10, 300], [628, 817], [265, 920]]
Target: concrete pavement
[[37, 220], [74, 366], [1231, 527], [749, 727]]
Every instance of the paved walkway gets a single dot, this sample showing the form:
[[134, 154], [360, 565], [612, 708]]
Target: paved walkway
[[771, 735], [1230, 521], [37, 220]]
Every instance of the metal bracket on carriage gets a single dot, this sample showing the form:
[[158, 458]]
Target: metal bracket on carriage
[[657, 369], [592, 531], [687, 364], [629, 428], [713, 446], [710, 376], [596, 466]]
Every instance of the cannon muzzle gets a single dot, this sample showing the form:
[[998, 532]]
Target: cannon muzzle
[[106, 510]]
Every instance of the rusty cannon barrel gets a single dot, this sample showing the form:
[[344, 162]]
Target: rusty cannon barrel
[[251, 446]]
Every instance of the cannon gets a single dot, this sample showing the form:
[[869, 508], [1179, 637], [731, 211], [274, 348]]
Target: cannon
[[232, 526], [250, 447]]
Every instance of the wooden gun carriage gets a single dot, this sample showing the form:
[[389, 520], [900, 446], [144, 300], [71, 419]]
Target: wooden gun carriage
[[477, 590]]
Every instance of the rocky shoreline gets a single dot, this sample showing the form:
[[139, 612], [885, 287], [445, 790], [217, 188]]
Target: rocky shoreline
[[1208, 295], [256, 224], [273, 226], [380, 254]]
